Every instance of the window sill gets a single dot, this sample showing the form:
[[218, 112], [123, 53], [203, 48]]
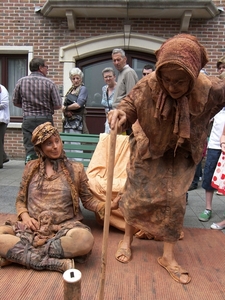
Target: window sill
[[14, 125]]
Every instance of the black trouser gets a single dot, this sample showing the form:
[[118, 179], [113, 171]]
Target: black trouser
[[3, 155], [29, 124]]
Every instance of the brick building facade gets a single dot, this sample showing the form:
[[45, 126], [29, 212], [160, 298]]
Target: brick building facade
[[62, 43]]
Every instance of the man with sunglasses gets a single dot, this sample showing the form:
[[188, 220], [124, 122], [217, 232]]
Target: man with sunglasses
[[147, 70], [38, 97]]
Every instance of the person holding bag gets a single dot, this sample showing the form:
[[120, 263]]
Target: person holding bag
[[74, 105]]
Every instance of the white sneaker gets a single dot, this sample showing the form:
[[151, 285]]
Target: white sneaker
[[217, 227], [219, 194]]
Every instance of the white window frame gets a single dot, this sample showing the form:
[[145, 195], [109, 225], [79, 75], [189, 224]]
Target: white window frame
[[18, 50]]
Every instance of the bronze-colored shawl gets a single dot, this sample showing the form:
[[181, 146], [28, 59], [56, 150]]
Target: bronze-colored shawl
[[185, 52]]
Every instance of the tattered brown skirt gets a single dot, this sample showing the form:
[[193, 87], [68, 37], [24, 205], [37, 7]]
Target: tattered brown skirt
[[154, 198]]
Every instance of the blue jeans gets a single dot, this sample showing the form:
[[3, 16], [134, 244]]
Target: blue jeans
[[210, 165]]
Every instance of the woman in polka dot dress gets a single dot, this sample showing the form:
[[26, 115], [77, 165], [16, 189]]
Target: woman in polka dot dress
[[218, 179]]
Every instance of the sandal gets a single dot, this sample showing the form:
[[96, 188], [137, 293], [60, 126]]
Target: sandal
[[123, 251], [175, 272]]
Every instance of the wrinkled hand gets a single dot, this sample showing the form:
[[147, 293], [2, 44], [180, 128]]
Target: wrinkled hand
[[113, 116], [30, 223], [115, 202]]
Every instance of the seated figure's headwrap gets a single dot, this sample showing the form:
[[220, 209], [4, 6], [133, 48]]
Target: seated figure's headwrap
[[42, 132], [185, 52]]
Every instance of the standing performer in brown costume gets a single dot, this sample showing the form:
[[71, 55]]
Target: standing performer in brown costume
[[173, 106], [48, 233]]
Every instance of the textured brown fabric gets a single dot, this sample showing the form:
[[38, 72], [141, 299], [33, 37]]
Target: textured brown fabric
[[155, 192], [181, 121], [23, 253], [204, 102], [42, 132], [185, 51], [75, 175], [47, 228], [182, 52], [159, 176]]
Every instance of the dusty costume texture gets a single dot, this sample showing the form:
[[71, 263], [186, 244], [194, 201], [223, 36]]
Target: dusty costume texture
[[53, 201], [168, 139], [56, 193]]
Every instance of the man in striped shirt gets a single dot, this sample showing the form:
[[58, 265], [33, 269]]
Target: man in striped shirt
[[38, 97]]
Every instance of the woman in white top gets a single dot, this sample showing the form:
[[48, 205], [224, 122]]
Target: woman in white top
[[4, 120]]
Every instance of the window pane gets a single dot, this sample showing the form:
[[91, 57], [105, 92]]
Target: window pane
[[94, 81], [17, 68]]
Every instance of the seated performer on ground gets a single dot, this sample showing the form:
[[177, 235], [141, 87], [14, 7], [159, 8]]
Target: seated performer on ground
[[173, 106], [52, 184]]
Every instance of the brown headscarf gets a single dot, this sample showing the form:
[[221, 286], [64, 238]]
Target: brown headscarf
[[185, 52], [42, 132]]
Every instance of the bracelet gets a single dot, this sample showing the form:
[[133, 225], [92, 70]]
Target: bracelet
[[222, 144]]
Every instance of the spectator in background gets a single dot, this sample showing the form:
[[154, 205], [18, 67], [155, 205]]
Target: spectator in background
[[218, 178], [74, 107], [198, 171], [221, 65], [147, 70], [108, 92], [4, 120], [38, 97], [127, 77], [126, 80], [213, 154]]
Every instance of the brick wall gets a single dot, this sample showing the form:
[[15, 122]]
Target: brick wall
[[22, 26]]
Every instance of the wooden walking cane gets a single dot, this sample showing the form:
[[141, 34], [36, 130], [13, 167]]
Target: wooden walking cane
[[111, 159]]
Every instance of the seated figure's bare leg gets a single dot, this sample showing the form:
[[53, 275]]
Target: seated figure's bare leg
[[7, 241], [77, 242], [6, 229], [123, 253]]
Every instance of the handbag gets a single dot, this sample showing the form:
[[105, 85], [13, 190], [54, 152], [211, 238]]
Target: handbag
[[70, 99], [75, 122]]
